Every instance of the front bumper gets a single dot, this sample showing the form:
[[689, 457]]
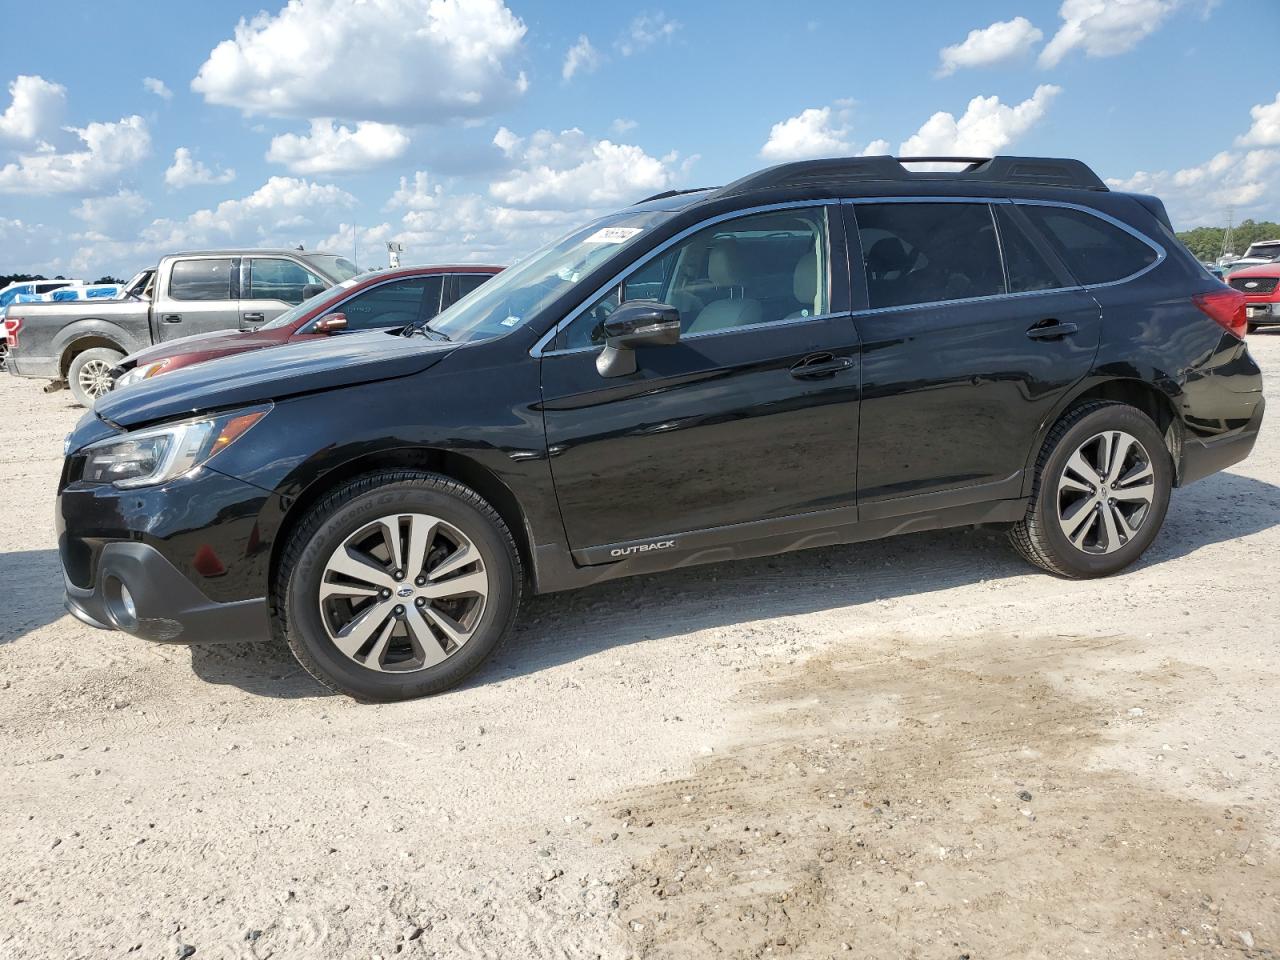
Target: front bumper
[[1262, 313], [163, 605], [186, 562]]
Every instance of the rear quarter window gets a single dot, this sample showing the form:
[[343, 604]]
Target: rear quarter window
[[201, 279], [1095, 250]]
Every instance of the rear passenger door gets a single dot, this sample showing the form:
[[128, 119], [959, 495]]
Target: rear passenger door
[[201, 294], [271, 285], [972, 331]]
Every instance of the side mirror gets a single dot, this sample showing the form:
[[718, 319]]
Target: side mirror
[[333, 323], [313, 289], [638, 324]]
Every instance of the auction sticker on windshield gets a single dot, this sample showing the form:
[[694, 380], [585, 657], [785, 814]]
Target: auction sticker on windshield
[[613, 235]]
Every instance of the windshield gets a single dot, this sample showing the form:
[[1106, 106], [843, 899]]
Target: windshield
[[294, 313], [336, 269], [516, 295], [1267, 251]]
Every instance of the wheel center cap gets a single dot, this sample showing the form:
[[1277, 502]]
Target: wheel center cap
[[405, 592]]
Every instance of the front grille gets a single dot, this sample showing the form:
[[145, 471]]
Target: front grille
[[1254, 284]]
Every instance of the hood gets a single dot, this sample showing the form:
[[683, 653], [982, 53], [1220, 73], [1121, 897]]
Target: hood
[[261, 375], [218, 342], [1268, 269]]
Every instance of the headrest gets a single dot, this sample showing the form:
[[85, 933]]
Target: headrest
[[804, 283], [724, 264], [887, 255]]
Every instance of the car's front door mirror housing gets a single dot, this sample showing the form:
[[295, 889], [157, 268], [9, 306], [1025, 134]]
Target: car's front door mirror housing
[[640, 324], [333, 323]]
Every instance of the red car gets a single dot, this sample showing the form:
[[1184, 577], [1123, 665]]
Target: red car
[[380, 299], [1261, 288]]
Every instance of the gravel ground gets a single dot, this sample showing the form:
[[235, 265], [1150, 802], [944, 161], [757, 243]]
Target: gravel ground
[[912, 748]]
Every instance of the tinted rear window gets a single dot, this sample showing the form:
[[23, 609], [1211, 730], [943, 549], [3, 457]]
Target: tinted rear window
[[201, 279], [1028, 269], [1093, 249], [928, 252]]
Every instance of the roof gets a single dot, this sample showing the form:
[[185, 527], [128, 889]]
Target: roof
[[842, 172], [253, 251]]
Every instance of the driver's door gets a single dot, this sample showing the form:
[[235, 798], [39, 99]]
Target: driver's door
[[752, 415]]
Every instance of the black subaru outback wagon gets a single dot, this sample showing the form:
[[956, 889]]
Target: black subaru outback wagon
[[822, 352]]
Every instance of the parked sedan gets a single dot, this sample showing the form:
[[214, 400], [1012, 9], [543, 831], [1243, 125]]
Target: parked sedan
[[380, 299]]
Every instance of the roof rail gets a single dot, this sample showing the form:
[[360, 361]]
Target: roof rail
[[1033, 171], [667, 194]]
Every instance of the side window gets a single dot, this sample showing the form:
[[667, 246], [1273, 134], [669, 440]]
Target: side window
[[928, 252], [274, 279], [201, 279], [1028, 270], [1095, 251], [466, 282], [394, 304], [759, 268]]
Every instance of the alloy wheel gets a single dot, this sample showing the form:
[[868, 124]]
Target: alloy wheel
[[95, 378], [403, 593], [1105, 492]]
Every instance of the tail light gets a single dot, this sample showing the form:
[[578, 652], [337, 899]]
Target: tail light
[[11, 327], [1226, 308]]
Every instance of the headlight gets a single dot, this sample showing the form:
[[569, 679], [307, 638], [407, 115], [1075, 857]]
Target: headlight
[[160, 454], [143, 371]]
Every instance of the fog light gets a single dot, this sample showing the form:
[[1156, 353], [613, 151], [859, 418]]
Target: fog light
[[126, 601]]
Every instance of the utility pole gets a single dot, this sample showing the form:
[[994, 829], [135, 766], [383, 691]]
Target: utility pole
[[1228, 239], [355, 239]]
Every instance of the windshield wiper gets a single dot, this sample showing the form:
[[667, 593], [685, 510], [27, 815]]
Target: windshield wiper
[[424, 329]]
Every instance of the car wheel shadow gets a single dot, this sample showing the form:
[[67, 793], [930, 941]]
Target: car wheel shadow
[[560, 628]]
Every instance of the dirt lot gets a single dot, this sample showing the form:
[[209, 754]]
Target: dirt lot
[[914, 748]]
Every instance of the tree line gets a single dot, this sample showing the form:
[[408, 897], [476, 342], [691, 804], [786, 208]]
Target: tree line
[[8, 278], [1206, 242]]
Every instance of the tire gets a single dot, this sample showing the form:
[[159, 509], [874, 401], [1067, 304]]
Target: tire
[[433, 517], [88, 375], [1058, 511]]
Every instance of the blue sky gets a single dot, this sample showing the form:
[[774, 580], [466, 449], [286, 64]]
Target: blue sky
[[474, 129]]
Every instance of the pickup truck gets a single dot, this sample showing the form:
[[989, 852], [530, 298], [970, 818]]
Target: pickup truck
[[77, 344]]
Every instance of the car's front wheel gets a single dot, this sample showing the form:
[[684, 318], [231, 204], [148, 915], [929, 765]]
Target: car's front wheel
[[396, 585], [1101, 492]]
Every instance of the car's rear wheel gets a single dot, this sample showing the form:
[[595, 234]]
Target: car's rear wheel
[[396, 585], [89, 375], [1101, 492]]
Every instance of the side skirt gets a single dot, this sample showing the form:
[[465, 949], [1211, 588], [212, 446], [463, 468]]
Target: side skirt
[[558, 569]]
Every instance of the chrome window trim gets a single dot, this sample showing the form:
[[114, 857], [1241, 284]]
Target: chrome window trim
[[539, 349], [1161, 253]]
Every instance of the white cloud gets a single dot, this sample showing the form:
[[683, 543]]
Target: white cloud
[[416, 194], [1265, 131], [581, 58], [985, 127], [390, 60], [282, 212], [1199, 195], [110, 214], [331, 148], [876, 148], [815, 132], [35, 110], [646, 30], [1104, 28], [1003, 40], [569, 171], [186, 171], [109, 149], [158, 87], [622, 125]]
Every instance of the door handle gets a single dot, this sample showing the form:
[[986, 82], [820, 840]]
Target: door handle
[[820, 365], [1051, 330], [172, 318], [254, 317]]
